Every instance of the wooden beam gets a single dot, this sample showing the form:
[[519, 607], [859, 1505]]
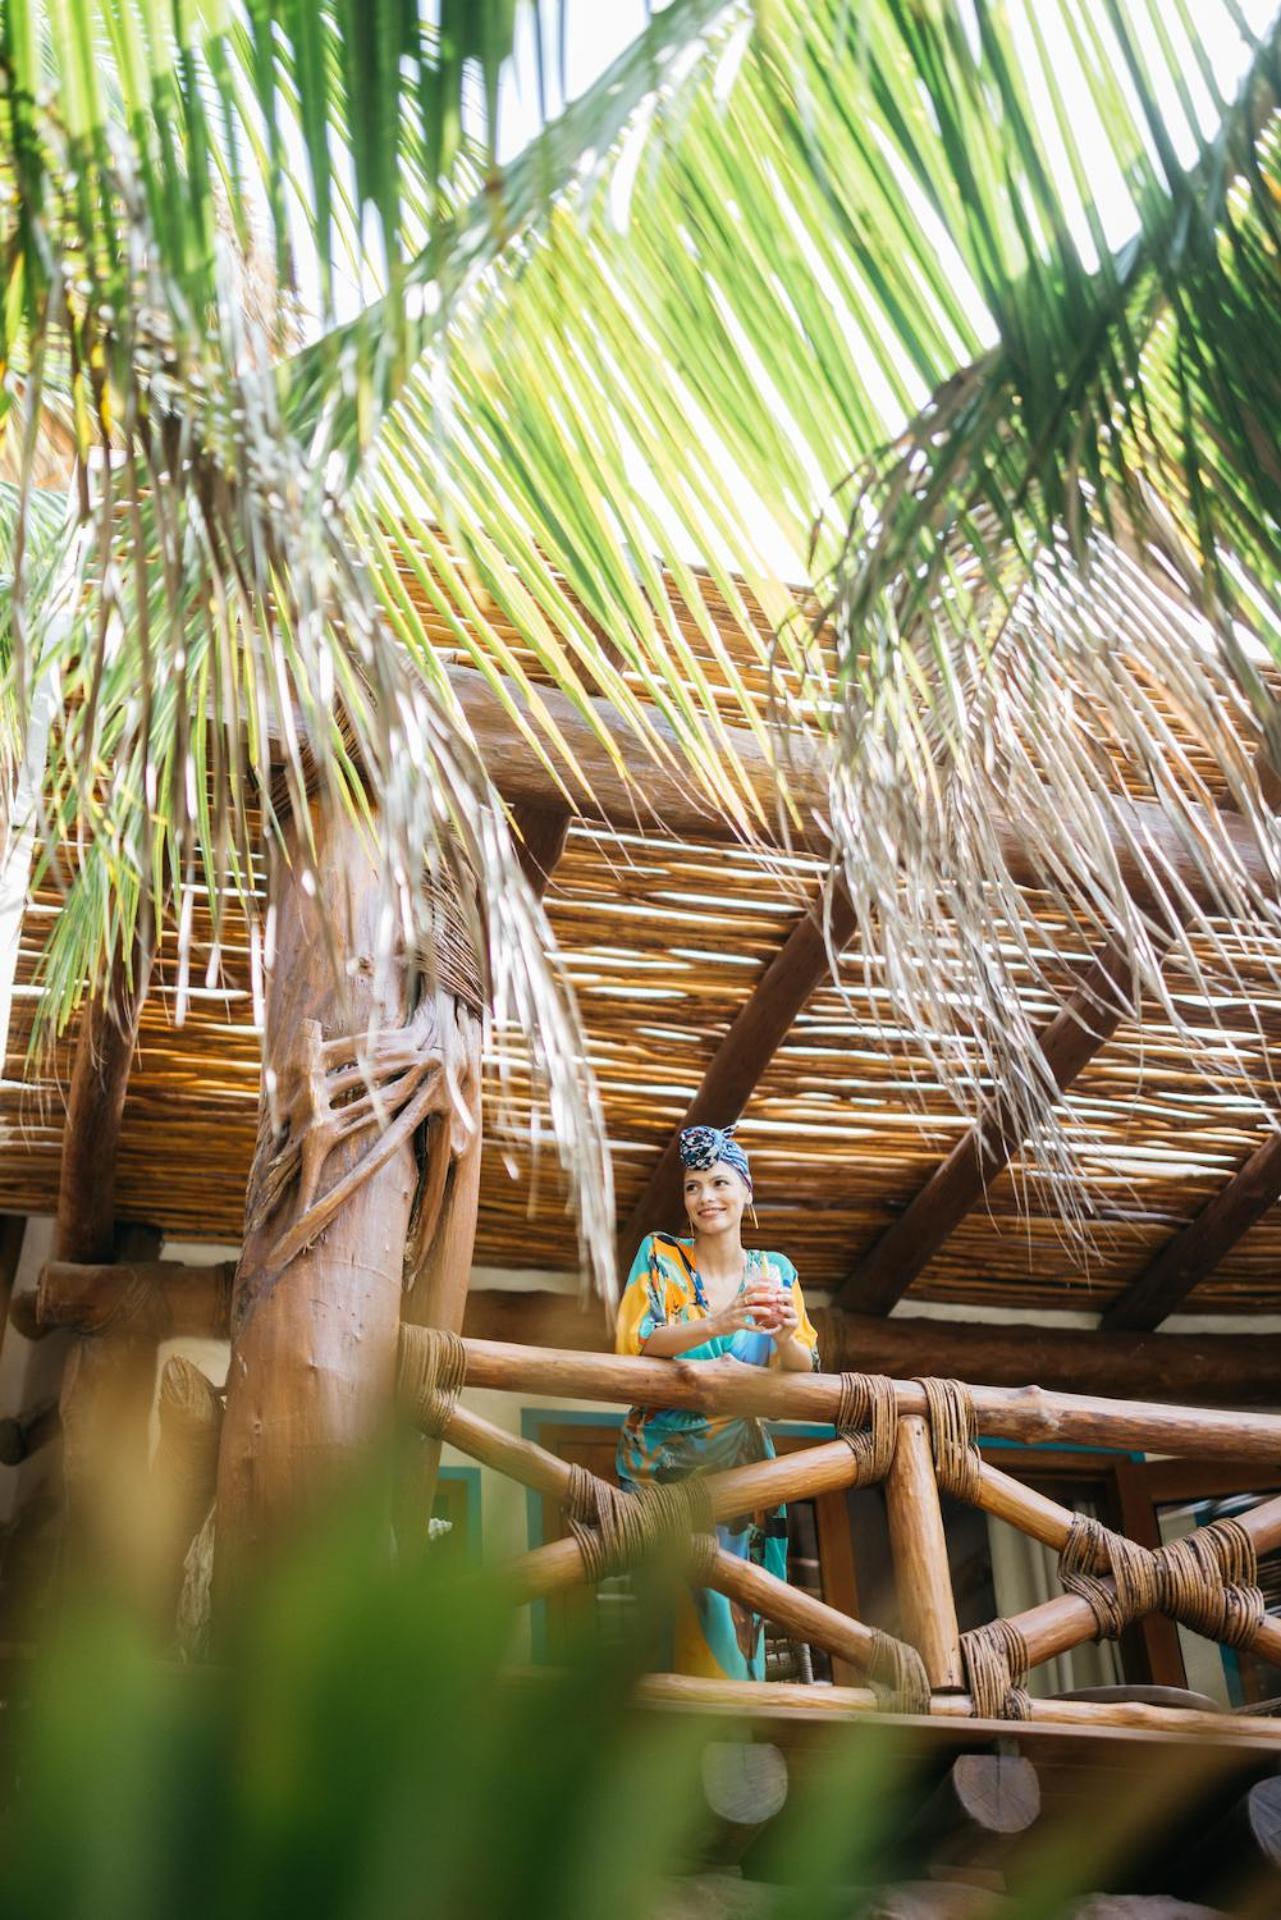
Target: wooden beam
[[624, 790], [1206, 1369], [758, 1029], [1028, 1413], [1084, 1024], [175, 1298], [1194, 1253]]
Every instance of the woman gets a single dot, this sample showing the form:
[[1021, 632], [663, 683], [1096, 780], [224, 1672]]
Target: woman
[[701, 1299]]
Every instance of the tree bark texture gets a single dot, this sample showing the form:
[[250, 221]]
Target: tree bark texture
[[354, 1067]]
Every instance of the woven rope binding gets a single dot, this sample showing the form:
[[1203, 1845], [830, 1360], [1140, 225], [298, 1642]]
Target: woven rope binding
[[953, 1429], [996, 1666], [617, 1530], [429, 1376], [1209, 1580], [897, 1673], [865, 1414]]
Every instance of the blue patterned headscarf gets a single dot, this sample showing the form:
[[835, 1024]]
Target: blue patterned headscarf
[[702, 1147]]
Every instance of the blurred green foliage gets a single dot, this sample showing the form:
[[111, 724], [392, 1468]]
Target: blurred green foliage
[[358, 1751]]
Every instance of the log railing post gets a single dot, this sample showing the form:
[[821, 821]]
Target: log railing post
[[919, 1547]]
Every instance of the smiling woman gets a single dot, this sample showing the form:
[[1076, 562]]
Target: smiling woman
[[708, 1298]]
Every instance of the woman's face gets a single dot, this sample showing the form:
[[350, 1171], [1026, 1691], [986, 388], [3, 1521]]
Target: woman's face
[[715, 1198]]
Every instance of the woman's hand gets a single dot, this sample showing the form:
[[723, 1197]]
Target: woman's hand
[[786, 1319], [742, 1311], [771, 1306]]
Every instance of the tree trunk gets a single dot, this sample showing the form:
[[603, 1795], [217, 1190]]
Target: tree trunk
[[317, 1298]]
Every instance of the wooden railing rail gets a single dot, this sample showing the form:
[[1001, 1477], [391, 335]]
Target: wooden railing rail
[[1011, 1413]]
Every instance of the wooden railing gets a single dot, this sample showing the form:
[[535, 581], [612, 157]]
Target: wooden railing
[[917, 1436]]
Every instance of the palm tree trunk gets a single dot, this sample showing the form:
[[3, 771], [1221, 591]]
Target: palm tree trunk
[[315, 1325]]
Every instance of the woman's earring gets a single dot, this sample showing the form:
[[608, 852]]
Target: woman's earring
[[751, 1208]]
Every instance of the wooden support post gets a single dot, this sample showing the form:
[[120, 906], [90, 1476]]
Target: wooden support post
[[13, 1227], [108, 1380], [184, 1474], [919, 1547], [21, 1437], [316, 1308]]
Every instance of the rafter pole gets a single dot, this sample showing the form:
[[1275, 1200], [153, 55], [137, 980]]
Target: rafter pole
[[758, 1029], [1194, 1253], [1084, 1024]]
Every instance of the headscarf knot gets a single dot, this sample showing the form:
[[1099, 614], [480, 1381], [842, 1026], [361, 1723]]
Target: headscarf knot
[[702, 1147]]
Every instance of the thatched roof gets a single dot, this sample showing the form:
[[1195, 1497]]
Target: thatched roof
[[665, 940]]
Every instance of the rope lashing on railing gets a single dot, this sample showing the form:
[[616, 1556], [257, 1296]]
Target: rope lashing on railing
[[897, 1673], [616, 1530], [996, 1666], [1091, 1551], [953, 1437], [1208, 1581], [865, 1420], [430, 1371]]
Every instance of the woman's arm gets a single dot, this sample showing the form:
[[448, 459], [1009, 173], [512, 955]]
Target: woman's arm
[[793, 1354], [666, 1343]]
